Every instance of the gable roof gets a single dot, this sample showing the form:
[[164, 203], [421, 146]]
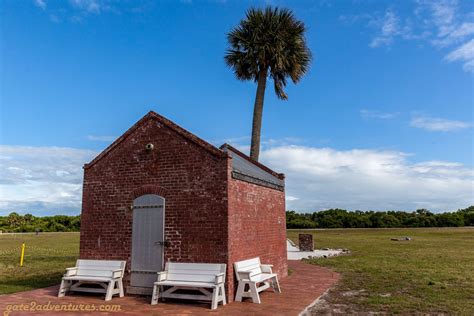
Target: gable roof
[[173, 126], [243, 167]]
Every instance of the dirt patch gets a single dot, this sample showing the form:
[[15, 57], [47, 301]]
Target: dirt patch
[[331, 303]]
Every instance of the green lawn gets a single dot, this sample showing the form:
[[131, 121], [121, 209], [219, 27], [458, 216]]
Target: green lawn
[[46, 257], [434, 273]]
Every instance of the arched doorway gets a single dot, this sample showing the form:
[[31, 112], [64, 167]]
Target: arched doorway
[[147, 240]]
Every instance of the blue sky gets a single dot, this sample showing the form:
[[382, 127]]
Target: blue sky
[[384, 119]]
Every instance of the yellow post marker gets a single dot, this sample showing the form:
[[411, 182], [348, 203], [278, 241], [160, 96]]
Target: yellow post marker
[[22, 254]]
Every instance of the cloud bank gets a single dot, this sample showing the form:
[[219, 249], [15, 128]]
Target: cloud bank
[[322, 178], [48, 180], [41, 180]]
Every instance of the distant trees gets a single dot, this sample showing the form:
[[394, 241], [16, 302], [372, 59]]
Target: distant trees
[[332, 218], [338, 218], [29, 223]]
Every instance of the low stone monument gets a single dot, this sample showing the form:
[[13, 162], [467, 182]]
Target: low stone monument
[[306, 242]]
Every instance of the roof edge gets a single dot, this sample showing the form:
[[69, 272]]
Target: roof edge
[[170, 124], [280, 176]]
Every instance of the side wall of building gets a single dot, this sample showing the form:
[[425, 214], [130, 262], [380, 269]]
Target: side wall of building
[[192, 180], [257, 227]]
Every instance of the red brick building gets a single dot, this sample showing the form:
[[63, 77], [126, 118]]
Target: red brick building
[[160, 193]]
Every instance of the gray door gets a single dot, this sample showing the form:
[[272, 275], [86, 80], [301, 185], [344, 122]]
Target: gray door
[[147, 239]]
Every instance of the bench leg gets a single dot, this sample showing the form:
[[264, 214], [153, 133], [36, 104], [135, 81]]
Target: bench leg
[[110, 290], [120, 286], [156, 294], [222, 291], [240, 291], [63, 288], [254, 292], [215, 297], [276, 285]]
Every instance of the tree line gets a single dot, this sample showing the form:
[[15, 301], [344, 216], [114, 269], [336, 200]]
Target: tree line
[[15, 222], [339, 218], [332, 218]]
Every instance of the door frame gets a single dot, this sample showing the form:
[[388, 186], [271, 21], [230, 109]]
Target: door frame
[[163, 209]]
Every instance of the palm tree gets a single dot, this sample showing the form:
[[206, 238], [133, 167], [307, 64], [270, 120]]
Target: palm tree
[[267, 43]]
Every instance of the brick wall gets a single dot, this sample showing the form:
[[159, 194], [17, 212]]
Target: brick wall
[[257, 227], [192, 180], [209, 217]]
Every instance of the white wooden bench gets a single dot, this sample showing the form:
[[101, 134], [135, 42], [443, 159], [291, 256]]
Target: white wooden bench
[[256, 276], [191, 276], [107, 273]]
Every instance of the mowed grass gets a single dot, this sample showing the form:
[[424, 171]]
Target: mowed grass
[[46, 257], [434, 273]]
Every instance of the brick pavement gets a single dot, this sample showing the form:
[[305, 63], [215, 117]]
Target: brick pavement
[[305, 284]]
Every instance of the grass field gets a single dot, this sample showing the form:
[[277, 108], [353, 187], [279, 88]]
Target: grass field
[[46, 257], [431, 274], [434, 273]]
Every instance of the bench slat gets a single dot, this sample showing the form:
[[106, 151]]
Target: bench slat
[[196, 272], [246, 263], [253, 271], [195, 266], [82, 272], [98, 268], [191, 277], [112, 264]]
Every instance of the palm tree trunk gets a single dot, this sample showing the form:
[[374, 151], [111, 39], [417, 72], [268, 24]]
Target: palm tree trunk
[[257, 115]]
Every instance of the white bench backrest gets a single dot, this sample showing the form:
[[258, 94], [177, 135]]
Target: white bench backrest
[[194, 272], [252, 265], [99, 268]]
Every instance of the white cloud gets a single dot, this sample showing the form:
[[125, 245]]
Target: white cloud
[[456, 36], [441, 23], [367, 114], [443, 14], [101, 138], [324, 178], [48, 180], [438, 124], [77, 11], [90, 6], [464, 30], [464, 53], [42, 180], [40, 4], [389, 28]]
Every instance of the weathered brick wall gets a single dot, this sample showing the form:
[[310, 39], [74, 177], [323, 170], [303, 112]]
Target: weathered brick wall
[[209, 217], [192, 180], [257, 227]]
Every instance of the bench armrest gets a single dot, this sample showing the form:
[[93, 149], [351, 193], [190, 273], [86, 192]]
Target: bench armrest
[[220, 278], [71, 271], [244, 274], [117, 273], [266, 268], [162, 276]]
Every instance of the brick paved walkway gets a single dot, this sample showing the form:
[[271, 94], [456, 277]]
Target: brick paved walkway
[[306, 283]]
